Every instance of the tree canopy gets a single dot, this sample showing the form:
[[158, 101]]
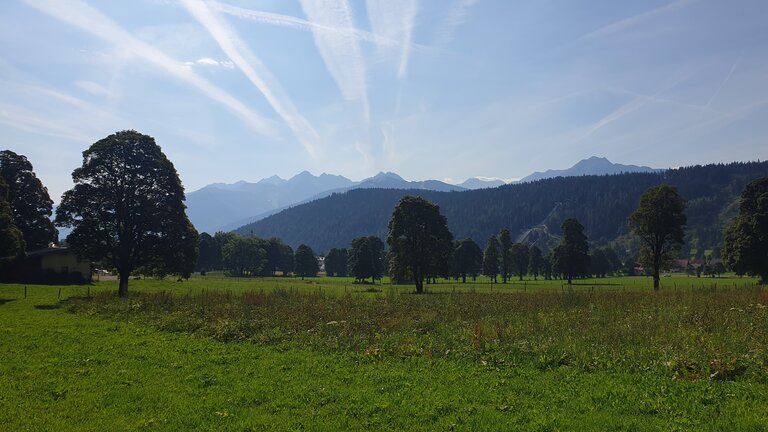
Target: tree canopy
[[658, 222], [306, 262], [467, 258], [420, 243], [11, 238], [571, 257], [336, 262], [505, 258], [491, 258], [29, 200], [127, 210], [535, 261], [746, 239], [366, 258], [520, 257], [244, 256]]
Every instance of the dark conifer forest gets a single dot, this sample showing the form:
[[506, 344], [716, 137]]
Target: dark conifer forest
[[532, 212]]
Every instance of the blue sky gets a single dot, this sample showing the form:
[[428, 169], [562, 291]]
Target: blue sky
[[444, 89]]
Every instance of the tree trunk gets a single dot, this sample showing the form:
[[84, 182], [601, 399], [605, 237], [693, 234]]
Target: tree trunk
[[521, 276], [122, 290], [464, 278], [656, 279], [569, 279], [419, 286]]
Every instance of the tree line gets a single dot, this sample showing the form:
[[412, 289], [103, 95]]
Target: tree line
[[126, 212], [602, 205]]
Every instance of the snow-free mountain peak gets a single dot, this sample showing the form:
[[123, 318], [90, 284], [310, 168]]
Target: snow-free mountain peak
[[591, 166], [274, 180], [478, 183]]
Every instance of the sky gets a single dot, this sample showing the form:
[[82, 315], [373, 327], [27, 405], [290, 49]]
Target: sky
[[440, 89]]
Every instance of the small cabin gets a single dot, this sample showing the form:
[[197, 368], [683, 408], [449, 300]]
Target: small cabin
[[53, 265]]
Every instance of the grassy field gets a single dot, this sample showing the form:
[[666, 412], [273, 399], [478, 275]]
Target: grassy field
[[217, 353]]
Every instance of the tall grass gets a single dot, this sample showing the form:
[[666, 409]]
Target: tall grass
[[690, 333]]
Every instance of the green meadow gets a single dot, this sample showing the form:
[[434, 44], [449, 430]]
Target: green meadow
[[215, 353]]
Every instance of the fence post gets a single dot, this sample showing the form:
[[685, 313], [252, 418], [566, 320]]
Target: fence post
[[59, 293], [25, 291]]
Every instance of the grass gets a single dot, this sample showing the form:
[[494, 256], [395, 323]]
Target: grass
[[225, 354]]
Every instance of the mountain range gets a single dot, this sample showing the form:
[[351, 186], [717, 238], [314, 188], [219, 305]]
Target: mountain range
[[228, 206], [531, 211]]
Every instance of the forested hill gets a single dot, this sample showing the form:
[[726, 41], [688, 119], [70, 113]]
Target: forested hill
[[531, 211]]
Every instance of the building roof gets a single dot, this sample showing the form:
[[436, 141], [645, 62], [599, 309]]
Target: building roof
[[49, 251]]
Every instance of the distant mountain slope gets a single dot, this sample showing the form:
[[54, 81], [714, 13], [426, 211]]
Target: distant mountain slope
[[381, 180], [222, 206], [476, 183], [219, 204], [529, 210], [592, 166]]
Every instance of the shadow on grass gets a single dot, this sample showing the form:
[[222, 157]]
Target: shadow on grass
[[48, 307], [5, 300]]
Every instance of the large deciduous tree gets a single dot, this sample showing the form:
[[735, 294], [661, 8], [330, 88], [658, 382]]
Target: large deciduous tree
[[571, 257], [29, 201], [127, 209], [306, 262], [11, 238], [746, 238], [659, 221], [420, 243]]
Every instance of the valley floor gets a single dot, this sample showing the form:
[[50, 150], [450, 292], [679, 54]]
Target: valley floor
[[80, 371]]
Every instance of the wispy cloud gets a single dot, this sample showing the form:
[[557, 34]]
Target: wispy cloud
[[94, 88], [28, 121], [637, 102], [453, 20], [394, 20], [207, 61], [301, 24], [632, 21], [725, 81], [83, 16], [340, 50], [253, 68]]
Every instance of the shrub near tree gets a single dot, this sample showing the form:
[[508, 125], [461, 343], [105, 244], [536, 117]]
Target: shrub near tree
[[420, 244], [746, 238], [29, 201], [127, 209], [659, 221]]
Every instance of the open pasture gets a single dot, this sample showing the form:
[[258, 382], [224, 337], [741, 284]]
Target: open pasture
[[216, 353]]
